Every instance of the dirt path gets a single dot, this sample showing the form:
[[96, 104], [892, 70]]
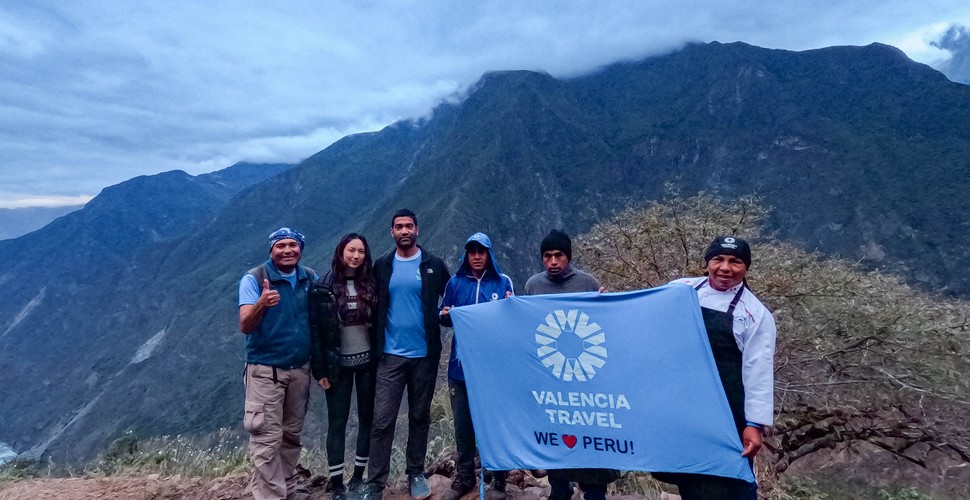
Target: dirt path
[[155, 487], [146, 487]]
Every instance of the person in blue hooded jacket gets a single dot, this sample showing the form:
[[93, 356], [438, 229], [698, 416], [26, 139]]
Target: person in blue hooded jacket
[[478, 279]]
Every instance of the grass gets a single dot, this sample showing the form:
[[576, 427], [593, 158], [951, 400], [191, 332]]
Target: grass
[[837, 488], [216, 455], [20, 469]]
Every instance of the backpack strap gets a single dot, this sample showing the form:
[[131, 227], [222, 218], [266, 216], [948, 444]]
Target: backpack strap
[[259, 272], [310, 273]]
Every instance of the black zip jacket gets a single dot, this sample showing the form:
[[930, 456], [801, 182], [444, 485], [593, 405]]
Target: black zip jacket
[[324, 329], [434, 277]]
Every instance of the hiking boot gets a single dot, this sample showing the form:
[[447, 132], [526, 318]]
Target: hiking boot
[[498, 488], [418, 486], [301, 493], [338, 494], [458, 489], [354, 485], [371, 491]]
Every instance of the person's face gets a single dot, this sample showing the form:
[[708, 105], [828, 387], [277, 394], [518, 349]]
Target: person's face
[[285, 254], [554, 261], [725, 271], [477, 258], [354, 254], [405, 232]]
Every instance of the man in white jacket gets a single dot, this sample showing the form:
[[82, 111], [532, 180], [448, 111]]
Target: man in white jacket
[[742, 333]]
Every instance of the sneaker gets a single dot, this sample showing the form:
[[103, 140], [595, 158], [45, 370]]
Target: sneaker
[[458, 489], [354, 485], [419, 486], [371, 491]]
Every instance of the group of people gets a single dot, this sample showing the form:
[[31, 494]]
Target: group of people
[[373, 327]]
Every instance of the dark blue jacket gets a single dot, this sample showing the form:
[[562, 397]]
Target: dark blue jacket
[[465, 289]]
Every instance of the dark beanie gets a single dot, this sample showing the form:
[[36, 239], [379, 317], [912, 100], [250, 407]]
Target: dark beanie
[[557, 240], [729, 245]]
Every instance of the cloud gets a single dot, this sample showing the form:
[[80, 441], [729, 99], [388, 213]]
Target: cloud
[[17, 200], [955, 41], [95, 92]]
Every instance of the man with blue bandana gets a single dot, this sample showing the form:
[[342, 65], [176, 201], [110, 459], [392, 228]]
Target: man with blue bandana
[[273, 316]]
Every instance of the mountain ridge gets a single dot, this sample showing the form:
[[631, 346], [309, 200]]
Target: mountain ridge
[[821, 135]]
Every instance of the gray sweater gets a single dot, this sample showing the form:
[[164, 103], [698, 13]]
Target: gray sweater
[[572, 280]]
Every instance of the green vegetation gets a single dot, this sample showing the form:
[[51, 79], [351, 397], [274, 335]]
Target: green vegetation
[[214, 456], [833, 488], [862, 359], [18, 469]]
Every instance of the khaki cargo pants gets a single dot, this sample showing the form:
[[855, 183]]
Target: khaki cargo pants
[[276, 402]]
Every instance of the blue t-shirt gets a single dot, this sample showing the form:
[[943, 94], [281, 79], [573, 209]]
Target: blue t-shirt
[[404, 335]]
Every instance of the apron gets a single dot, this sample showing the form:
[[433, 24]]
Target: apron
[[727, 358], [727, 355]]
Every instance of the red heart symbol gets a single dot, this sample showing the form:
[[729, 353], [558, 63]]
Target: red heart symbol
[[569, 440]]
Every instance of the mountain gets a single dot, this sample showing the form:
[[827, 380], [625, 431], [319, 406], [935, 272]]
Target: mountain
[[16, 222], [860, 151], [62, 270]]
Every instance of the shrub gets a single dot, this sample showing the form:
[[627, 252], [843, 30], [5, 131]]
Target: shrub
[[861, 357]]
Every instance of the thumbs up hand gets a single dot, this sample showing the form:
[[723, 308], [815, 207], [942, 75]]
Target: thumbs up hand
[[268, 297]]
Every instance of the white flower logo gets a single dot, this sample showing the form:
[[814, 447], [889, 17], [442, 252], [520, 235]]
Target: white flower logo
[[570, 345]]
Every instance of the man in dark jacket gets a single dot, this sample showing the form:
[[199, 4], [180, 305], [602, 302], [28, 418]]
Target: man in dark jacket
[[410, 283], [479, 279]]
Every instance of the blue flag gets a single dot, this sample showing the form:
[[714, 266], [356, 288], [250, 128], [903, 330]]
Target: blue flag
[[619, 380]]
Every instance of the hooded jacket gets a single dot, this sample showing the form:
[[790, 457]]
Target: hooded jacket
[[465, 289]]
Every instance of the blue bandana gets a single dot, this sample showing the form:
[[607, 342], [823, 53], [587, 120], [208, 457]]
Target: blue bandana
[[285, 233]]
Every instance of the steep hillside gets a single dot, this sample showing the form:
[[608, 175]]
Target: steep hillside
[[68, 329]]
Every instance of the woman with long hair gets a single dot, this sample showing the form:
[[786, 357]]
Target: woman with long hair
[[342, 306]]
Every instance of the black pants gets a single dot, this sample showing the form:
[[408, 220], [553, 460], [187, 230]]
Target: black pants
[[339, 397], [465, 433], [704, 487], [559, 483], [395, 375]]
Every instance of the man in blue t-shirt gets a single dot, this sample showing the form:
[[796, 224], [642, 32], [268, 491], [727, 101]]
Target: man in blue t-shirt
[[273, 316], [410, 283]]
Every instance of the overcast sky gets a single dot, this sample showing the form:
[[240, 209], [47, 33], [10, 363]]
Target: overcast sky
[[96, 92]]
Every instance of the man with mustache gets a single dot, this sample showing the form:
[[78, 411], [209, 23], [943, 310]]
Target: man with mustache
[[273, 316]]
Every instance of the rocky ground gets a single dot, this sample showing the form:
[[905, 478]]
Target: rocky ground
[[155, 487]]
